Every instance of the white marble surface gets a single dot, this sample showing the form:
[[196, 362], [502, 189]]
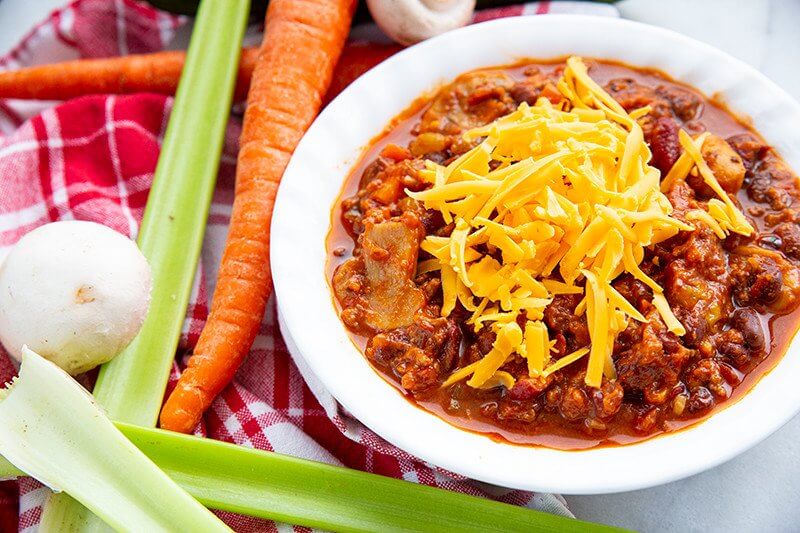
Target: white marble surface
[[763, 33], [759, 490]]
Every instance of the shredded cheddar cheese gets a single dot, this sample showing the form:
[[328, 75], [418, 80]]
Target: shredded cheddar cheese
[[552, 195]]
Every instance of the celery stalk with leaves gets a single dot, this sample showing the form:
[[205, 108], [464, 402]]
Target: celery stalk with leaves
[[54, 431]]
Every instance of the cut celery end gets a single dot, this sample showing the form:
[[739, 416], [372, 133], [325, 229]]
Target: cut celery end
[[55, 432]]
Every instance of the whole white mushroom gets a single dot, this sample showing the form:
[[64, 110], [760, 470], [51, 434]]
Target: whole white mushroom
[[411, 21], [75, 292]]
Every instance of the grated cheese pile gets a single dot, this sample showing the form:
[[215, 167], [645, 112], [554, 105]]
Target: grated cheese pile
[[561, 193]]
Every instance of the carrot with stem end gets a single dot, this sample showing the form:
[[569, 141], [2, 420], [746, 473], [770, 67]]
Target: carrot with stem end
[[154, 73], [159, 72], [302, 42]]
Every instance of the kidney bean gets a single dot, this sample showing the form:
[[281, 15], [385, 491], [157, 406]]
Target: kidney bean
[[746, 320]]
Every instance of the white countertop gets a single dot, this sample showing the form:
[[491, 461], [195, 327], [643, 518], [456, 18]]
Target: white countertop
[[759, 490]]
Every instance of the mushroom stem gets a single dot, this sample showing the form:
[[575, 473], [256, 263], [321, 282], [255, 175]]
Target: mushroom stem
[[410, 21]]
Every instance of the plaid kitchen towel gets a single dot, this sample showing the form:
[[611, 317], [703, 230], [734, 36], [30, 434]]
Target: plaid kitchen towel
[[93, 159]]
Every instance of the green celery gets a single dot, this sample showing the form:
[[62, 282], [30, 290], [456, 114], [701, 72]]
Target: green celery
[[279, 487], [297, 491], [55, 431], [9, 471], [131, 386]]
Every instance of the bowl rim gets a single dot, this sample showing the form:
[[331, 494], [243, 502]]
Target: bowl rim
[[335, 142]]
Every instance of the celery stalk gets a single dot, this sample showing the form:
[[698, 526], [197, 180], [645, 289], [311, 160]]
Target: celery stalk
[[55, 431], [297, 491], [131, 386], [9, 471], [270, 485]]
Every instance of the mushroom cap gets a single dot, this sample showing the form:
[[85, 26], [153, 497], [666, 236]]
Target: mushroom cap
[[411, 21], [75, 292]]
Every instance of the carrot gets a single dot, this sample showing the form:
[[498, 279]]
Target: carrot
[[395, 152], [155, 73], [302, 42], [159, 73]]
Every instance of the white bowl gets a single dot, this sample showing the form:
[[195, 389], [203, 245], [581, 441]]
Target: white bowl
[[334, 143]]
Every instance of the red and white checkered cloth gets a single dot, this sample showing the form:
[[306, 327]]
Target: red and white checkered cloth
[[93, 159]]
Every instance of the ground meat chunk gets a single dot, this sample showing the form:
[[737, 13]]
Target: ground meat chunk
[[418, 354], [765, 282], [349, 282], [646, 421], [683, 102], [381, 193], [757, 280], [789, 233], [374, 171], [529, 387], [696, 283], [472, 100], [682, 198], [633, 290], [570, 398], [664, 101], [477, 345], [706, 373], [574, 404], [630, 335], [772, 182], [430, 285], [350, 286], [607, 399], [652, 366], [735, 240], [633, 95], [529, 89], [560, 318], [750, 149]]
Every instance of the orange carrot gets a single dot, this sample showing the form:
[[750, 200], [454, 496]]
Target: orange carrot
[[155, 73], [159, 73], [302, 42]]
